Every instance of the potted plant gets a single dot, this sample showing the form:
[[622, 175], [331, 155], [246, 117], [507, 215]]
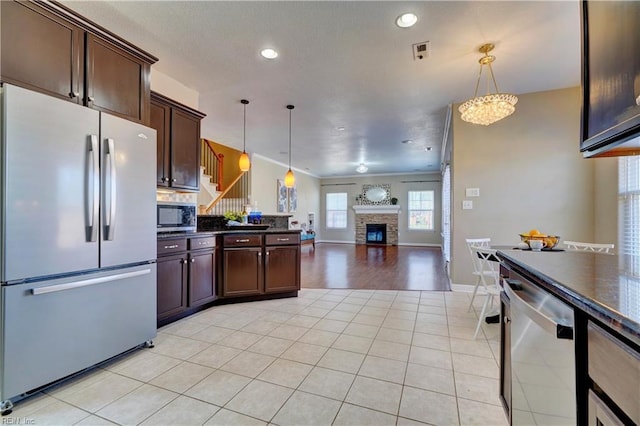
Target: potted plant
[[394, 201]]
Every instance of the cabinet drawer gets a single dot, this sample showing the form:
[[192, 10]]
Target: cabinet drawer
[[615, 367], [282, 239], [245, 240], [167, 247], [202, 243]]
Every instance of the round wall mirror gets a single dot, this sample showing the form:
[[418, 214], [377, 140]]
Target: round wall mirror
[[376, 194]]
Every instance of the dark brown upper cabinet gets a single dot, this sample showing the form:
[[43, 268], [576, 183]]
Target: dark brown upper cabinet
[[49, 48], [178, 137]]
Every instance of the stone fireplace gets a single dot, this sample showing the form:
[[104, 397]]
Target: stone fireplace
[[386, 215]]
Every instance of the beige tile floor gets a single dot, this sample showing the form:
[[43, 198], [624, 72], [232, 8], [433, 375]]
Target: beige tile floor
[[341, 357]]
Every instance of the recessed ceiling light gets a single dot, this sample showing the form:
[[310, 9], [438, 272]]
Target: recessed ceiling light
[[428, 148], [340, 129], [362, 168], [408, 141], [406, 20], [269, 53]]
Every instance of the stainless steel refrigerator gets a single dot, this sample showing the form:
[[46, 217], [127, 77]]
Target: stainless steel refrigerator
[[77, 239]]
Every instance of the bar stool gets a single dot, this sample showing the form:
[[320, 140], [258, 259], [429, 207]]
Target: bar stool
[[595, 247], [490, 278], [475, 262]]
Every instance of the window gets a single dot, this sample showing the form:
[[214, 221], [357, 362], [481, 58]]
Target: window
[[337, 210], [629, 233], [421, 210]]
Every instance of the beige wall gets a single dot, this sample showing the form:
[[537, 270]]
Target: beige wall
[[173, 89], [264, 176], [400, 185], [530, 174], [606, 200]]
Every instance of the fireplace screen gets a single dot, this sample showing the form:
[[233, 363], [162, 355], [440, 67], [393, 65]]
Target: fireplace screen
[[376, 233]]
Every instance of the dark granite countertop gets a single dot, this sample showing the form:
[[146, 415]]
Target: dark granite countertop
[[196, 234], [595, 283]]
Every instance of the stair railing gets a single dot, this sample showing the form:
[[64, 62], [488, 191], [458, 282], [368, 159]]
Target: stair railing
[[212, 162], [234, 198]]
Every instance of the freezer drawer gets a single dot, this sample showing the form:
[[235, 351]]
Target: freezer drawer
[[54, 328]]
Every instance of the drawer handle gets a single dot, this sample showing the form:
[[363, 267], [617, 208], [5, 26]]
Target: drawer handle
[[242, 241], [203, 243], [171, 246], [283, 239]]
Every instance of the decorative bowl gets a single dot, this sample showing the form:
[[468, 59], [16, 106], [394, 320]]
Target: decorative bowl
[[550, 240]]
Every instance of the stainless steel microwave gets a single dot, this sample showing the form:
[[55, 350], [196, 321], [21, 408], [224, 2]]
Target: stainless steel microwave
[[176, 216]]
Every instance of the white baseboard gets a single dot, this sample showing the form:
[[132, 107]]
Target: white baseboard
[[420, 245], [335, 241]]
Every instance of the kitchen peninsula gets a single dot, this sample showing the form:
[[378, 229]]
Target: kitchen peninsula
[[603, 292], [216, 265]]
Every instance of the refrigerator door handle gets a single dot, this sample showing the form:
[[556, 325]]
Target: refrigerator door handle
[[110, 212], [85, 283], [92, 186]]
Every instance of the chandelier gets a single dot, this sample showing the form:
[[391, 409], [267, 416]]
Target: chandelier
[[491, 107]]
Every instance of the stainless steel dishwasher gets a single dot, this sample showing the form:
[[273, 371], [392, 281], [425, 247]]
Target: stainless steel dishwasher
[[543, 378]]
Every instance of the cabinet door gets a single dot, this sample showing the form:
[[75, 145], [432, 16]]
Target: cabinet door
[[242, 272], [117, 82], [185, 150], [202, 287], [282, 271], [505, 354], [41, 51], [161, 121], [172, 288]]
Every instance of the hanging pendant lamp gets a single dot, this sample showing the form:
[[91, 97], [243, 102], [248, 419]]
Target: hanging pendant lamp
[[244, 162], [289, 178], [491, 107]]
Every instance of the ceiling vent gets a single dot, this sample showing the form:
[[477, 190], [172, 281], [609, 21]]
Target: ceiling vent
[[421, 50]]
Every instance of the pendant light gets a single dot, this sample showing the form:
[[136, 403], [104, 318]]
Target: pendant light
[[244, 162], [289, 178], [491, 107]]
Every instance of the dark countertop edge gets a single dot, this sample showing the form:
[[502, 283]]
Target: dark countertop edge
[[199, 234], [603, 313]]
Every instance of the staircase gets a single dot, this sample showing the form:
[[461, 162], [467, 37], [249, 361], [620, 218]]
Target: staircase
[[218, 198], [208, 189]]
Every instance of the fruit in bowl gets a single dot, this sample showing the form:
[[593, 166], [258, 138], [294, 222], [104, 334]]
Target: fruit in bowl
[[550, 241]]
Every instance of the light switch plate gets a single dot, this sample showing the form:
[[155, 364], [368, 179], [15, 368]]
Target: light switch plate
[[472, 192], [467, 204]]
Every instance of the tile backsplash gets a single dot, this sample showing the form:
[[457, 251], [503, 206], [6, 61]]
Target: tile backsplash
[[181, 197]]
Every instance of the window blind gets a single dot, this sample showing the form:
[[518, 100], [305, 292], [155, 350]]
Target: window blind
[[629, 233]]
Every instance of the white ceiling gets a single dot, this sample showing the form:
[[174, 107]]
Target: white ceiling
[[345, 64]]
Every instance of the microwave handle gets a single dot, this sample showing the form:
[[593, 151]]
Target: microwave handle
[[561, 331]]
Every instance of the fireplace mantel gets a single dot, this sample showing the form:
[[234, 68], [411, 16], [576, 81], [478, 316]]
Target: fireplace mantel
[[384, 209]]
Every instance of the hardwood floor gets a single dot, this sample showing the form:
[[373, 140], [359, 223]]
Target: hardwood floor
[[373, 267]]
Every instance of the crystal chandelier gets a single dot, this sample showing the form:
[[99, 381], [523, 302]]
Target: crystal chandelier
[[491, 107]]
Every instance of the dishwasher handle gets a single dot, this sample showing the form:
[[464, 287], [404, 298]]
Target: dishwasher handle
[[561, 331]]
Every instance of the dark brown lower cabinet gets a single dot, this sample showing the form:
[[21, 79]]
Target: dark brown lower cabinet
[[172, 285], [505, 354], [282, 269], [186, 276], [254, 264], [242, 272], [202, 287]]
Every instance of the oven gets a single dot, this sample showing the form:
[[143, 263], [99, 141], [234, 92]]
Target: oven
[[543, 389], [176, 216]]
